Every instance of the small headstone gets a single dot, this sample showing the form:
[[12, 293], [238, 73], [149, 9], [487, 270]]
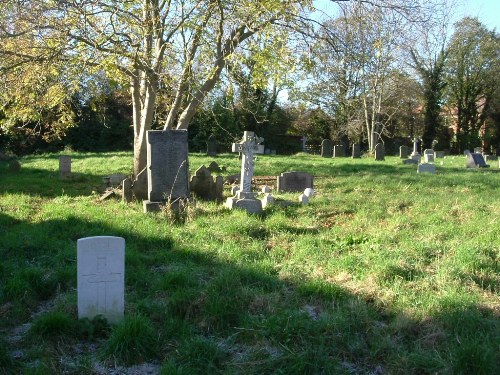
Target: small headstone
[[140, 185], [204, 185], [326, 148], [303, 199], [439, 154], [267, 200], [411, 161], [478, 150], [428, 151], [101, 277], [476, 161], [14, 166], [356, 151], [490, 157], [212, 145], [426, 168], [466, 152], [309, 192], [127, 190], [294, 181], [404, 151], [214, 167], [429, 158], [339, 151], [380, 152], [267, 151], [64, 166]]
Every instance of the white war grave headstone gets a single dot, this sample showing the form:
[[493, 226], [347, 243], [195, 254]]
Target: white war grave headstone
[[101, 277], [244, 198]]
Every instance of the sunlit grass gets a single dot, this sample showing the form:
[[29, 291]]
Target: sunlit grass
[[385, 270]]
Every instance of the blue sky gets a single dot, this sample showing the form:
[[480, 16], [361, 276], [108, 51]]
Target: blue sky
[[488, 11]]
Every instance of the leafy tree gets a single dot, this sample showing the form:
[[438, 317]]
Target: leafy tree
[[473, 63]]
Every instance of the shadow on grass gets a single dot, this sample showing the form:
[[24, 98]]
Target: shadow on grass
[[44, 183], [214, 316]]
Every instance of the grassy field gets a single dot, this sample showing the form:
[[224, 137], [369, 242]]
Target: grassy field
[[384, 272]]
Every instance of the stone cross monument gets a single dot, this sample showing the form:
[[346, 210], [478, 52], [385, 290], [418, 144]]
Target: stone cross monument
[[244, 198]]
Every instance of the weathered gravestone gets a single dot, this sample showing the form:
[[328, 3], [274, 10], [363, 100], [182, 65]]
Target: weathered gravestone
[[64, 166], [478, 150], [294, 181], [326, 148], [439, 154], [140, 185], [212, 146], [476, 161], [167, 167], [410, 161], [204, 186], [490, 157], [244, 197], [356, 151], [214, 167], [338, 151], [428, 156], [127, 190], [379, 151], [404, 151], [101, 277]]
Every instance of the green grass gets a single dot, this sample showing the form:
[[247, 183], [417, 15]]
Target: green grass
[[384, 271]]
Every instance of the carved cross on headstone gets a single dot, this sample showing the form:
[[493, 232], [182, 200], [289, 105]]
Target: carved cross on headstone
[[249, 146], [101, 278]]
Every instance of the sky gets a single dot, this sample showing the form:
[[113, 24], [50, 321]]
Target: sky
[[487, 11]]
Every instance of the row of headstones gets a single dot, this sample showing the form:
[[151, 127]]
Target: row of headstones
[[329, 150], [212, 147]]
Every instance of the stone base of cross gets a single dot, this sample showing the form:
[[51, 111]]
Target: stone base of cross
[[245, 198]]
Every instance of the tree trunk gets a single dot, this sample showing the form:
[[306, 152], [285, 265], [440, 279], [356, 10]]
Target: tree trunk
[[143, 102]]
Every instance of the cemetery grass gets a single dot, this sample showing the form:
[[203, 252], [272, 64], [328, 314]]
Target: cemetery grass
[[384, 272]]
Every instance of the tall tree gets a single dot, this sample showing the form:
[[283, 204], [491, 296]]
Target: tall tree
[[179, 46], [474, 58]]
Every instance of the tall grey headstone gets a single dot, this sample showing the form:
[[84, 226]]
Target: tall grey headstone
[[404, 151], [326, 148], [101, 277], [64, 166], [356, 151], [245, 198], [379, 151], [212, 145], [167, 166], [338, 151]]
